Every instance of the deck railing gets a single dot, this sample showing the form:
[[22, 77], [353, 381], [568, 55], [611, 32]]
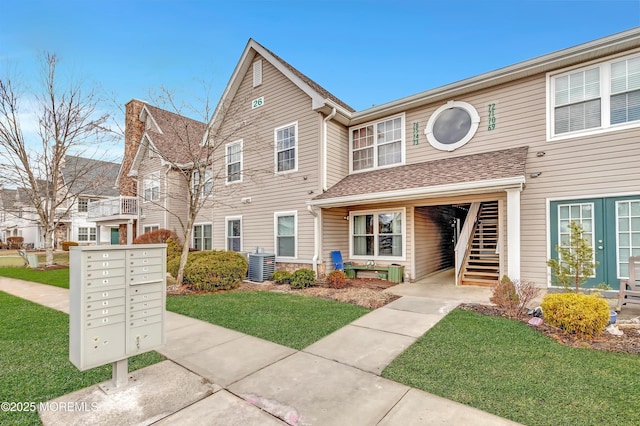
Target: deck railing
[[113, 207]]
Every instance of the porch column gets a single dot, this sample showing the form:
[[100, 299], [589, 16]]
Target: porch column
[[513, 232]]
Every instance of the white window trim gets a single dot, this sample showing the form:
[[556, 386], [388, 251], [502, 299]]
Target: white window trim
[[228, 219], [276, 215], [475, 122], [144, 227], [208, 176], [402, 210], [275, 148], [88, 228], [403, 147], [226, 162], [153, 178], [605, 100], [193, 234]]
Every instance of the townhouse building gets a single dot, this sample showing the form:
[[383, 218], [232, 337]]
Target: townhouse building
[[481, 176]]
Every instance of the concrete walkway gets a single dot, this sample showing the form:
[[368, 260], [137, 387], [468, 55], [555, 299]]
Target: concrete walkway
[[249, 381]]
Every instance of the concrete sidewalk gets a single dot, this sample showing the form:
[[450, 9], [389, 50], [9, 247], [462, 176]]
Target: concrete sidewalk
[[230, 378]]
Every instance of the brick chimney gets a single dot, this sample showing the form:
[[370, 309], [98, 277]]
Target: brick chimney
[[133, 131]]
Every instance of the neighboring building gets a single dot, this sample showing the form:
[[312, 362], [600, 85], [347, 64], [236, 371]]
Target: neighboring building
[[87, 180], [482, 175], [159, 149]]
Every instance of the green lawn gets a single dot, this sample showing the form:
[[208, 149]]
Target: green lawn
[[34, 358], [290, 320], [55, 277], [506, 368]]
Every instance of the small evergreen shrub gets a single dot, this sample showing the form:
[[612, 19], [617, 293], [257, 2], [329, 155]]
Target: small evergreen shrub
[[174, 249], [67, 244], [576, 313], [303, 278], [282, 277], [173, 265], [215, 270], [336, 279], [505, 296]]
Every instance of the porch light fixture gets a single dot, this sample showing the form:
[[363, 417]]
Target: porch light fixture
[[540, 154], [535, 174]]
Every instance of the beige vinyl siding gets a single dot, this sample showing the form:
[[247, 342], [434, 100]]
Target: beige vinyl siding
[[153, 212], [177, 203], [284, 103], [576, 167], [337, 153], [427, 242], [335, 234]]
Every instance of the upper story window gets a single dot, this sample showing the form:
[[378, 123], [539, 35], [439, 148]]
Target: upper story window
[[234, 162], [597, 98], [206, 186], [379, 144], [286, 147], [83, 204], [151, 187], [452, 125]]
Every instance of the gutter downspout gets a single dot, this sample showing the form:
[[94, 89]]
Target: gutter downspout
[[325, 147], [316, 237]]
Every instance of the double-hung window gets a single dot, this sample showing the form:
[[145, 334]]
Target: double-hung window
[[378, 234], [597, 98], [286, 148], [286, 231], [379, 144], [151, 187], [202, 237], [206, 185], [86, 234], [150, 228], [234, 233], [83, 204], [234, 162]]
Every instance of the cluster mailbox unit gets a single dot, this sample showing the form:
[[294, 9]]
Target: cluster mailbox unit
[[117, 304]]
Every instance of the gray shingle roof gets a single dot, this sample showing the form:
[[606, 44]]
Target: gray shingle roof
[[86, 176], [181, 137], [508, 163]]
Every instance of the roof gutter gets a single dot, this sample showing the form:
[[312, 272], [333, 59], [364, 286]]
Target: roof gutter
[[461, 188]]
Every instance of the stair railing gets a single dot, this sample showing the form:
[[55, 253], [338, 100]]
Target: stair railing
[[465, 237]]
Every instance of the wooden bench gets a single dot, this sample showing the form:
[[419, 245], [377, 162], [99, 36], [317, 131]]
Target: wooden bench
[[630, 289], [356, 268]]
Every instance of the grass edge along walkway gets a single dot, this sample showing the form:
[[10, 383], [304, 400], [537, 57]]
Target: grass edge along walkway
[[507, 368], [34, 358], [291, 320]]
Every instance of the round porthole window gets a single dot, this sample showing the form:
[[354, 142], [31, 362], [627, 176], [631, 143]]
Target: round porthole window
[[452, 125]]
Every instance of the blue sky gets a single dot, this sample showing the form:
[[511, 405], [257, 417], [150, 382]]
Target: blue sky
[[363, 51]]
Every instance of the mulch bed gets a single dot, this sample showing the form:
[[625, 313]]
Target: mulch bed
[[628, 343]]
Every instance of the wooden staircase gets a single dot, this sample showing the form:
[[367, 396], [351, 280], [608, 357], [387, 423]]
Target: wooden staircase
[[482, 264]]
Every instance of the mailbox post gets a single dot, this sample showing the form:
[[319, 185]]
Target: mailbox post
[[117, 305]]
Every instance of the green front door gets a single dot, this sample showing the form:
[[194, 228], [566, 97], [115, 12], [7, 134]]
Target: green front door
[[115, 236], [612, 225]]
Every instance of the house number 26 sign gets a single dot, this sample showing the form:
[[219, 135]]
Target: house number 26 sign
[[256, 103]]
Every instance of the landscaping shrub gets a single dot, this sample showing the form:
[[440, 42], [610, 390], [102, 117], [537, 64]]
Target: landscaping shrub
[[159, 236], [174, 250], [215, 270], [576, 313], [15, 243], [67, 244], [282, 277], [173, 265], [303, 278], [336, 279], [513, 296]]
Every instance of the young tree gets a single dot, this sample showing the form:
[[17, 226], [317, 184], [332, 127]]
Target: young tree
[[68, 123], [575, 263], [196, 161]]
